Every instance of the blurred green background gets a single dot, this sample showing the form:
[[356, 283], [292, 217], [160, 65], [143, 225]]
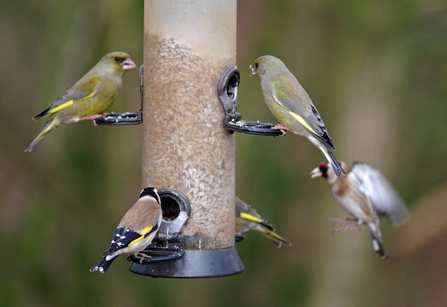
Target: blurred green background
[[377, 72]]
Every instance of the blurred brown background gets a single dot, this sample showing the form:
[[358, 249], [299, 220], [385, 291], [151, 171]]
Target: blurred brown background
[[377, 72]]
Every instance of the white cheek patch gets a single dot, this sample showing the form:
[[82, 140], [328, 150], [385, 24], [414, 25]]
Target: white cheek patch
[[253, 70]]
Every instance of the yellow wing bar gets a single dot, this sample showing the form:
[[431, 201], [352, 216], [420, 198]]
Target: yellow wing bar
[[69, 103], [296, 116], [250, 217], [145, 231]]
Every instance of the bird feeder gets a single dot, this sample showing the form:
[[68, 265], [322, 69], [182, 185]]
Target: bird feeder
[[187, 152]]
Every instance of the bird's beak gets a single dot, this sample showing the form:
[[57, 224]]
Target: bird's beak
[[128, 64], [316, 172], [253, 71]]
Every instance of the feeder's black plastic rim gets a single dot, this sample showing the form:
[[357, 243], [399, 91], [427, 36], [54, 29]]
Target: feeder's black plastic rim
[[238, 237], [195, 264], [158, 256], [179, 197], [228, 86], [161, 254], [250, 127], [127, 118]]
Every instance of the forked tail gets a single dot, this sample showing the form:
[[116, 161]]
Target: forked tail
[[102, 265]]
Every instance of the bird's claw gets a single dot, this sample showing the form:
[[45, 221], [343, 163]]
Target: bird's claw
[[93, 117], [339, 220], [281, 128], [142, 257], [353, 224]]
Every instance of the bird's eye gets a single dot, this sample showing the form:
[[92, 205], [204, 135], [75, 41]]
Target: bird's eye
[[118, 59], [257, 65]]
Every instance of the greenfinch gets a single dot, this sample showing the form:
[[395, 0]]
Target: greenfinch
[[365, 194], [248, 218], [136, 230], [89, 97], [292, 107]]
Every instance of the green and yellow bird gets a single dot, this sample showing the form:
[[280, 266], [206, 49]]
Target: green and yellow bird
[[90, 96], [248, 218], [292, 107]]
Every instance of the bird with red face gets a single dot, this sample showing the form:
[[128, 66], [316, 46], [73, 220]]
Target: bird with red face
[[136, 230], [365, 194]]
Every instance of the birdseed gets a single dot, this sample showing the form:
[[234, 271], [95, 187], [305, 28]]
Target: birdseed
[[185, 146]]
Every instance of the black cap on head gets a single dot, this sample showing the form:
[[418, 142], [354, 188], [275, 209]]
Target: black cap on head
[[152, 192]]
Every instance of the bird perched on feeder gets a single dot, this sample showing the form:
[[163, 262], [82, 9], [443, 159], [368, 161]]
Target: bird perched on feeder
[[292, 107], [365, 194], [90, 96], [248, 218], [136, 230]]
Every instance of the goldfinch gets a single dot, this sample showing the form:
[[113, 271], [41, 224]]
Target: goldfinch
[[365, 194], [292, 107], [248, 218], [89, 97], [136, 230]]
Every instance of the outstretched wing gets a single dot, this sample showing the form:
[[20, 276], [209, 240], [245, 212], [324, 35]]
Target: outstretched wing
[[384, 198]]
